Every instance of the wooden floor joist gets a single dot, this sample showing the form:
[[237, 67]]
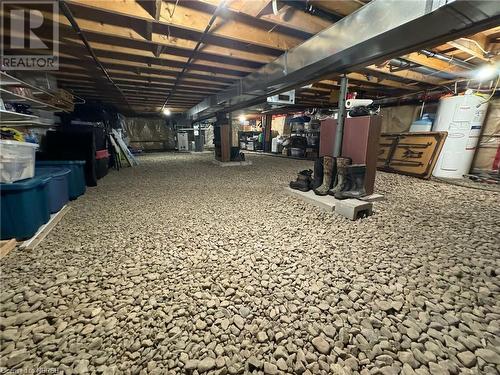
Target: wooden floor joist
[[6, 247], [44, 230]]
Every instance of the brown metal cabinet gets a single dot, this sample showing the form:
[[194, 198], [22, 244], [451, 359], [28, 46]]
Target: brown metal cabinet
[[360, 143]]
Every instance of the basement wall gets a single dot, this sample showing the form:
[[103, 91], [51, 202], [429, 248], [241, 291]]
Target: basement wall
[[150, 134], [398, 119]]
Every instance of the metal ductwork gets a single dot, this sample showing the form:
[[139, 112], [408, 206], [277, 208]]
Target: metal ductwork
[[380, 30]]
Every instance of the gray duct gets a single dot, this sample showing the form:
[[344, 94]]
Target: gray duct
[[398, 63], [448, 59], [354, 42]]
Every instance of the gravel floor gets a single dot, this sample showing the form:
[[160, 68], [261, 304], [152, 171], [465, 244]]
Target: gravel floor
[[180, 266]]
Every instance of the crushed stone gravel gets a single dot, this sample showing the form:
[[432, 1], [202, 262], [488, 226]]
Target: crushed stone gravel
[[180, 266]]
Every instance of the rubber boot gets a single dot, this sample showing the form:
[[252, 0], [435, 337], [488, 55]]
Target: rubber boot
[[328, 172], [303, 182], [356, 175], [318, 174], [341, 180]]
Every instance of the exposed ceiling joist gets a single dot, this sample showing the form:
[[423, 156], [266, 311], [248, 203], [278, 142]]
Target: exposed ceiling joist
[[190, 17]]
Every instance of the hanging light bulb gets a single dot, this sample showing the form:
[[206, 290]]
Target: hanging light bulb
[[486, 72], [166, 111]]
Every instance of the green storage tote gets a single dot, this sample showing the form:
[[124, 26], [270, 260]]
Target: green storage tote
[[57, 187], [24, 207], [76, 179]]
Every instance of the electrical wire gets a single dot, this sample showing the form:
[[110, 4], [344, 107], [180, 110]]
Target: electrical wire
[[492, 93]]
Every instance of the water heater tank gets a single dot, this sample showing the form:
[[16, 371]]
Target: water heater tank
[[462, 117]]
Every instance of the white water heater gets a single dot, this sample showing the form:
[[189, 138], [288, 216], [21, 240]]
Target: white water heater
[[462, 117]]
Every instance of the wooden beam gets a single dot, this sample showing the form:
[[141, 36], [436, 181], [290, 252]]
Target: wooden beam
[[166, 60], [287, 16], [338, 7], [100, 32], [189, 17], [473, 45], [152, 7], [407, 74], [381, 81], [44, 230], [6, 247], [253, 8]]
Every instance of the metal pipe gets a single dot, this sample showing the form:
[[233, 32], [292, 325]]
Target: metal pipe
[[315, 11], [396, 62], [449, 59], [339, 134]]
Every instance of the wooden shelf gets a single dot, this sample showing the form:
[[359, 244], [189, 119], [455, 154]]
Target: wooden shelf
[[14, 116], [27, 123]]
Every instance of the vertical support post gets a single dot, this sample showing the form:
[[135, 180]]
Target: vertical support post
[[222, 134], [266, 128], [339, 135], [228, 138]]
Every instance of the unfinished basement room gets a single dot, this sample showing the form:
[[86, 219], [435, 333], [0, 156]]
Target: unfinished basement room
[[261, 187]]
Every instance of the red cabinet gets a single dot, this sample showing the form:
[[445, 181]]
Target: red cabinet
[[360, 143]]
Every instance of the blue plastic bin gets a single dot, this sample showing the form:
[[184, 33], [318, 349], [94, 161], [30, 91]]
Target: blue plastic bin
[[76, 179], [24, 207], [57, 187]]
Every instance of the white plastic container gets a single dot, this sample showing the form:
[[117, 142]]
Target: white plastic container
[[462, 117], [423, 124], [17, 160]]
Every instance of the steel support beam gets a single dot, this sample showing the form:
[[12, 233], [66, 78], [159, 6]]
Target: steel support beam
[[339, 132], [380, 30]]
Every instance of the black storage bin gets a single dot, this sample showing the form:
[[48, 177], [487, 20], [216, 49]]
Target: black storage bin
[[72, 145], [102, 163]]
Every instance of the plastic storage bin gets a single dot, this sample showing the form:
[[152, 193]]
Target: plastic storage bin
[[76, 179], [17, 160], [57, 187], [101, 163], [423, 124], [24, 207]]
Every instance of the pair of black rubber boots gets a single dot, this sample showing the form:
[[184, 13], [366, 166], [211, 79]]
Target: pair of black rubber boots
[[333, 176]]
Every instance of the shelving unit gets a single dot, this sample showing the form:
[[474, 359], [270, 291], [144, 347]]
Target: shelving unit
[[11, 116], [13, 119], [26, 123], [7, 96]]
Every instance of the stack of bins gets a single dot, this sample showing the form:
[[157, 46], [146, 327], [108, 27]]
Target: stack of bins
[[76, 178], [58, 189], [24, 207], [102, 163]]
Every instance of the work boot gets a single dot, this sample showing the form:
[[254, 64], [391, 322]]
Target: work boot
[[303, 181], [356, 176], [340, 180], [318, 174], [328, 173]]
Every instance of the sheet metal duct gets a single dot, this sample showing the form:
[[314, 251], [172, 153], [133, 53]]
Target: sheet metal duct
[[380, 30]]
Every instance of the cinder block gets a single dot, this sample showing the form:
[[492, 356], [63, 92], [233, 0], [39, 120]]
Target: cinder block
[[373, 198], [326, 203], [231, 163], [353, 208]]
